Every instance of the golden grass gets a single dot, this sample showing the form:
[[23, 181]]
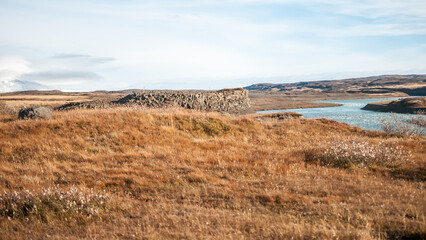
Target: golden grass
[[186, 174], [19, 101], [42, 97], [273, 102], [25, 103]]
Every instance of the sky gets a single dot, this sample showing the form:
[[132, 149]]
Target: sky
[[85, 45]]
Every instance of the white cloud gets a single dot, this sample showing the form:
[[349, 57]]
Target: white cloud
[[81, 59], [381, 29], [365, 8], [380, 8], [12, 67], [66, 69], [60, 69], [62, 77]]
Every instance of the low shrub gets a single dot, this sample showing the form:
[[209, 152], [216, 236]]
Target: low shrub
[[53, 202], [416, 126], [419, 120], [350, 153]]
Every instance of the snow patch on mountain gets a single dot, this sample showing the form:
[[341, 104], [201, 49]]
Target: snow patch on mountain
[[20, 85]]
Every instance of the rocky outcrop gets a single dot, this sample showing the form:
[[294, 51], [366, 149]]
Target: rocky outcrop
[[404, 105], [86, 105], [233, 101], [35, 113]]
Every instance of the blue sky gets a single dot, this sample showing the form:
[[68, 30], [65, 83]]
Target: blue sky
[[207, 44]]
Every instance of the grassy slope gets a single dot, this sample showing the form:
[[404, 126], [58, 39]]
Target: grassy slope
[[184, 174]]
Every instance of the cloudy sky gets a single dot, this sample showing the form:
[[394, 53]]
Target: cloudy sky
[[207, 44]]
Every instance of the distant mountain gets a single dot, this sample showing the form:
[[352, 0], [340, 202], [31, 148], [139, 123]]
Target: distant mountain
[[409, 84], [19, 85]]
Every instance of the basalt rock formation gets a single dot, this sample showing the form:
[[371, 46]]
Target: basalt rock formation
[[35, 113], [404, 105], [232, 101], [86, 105]]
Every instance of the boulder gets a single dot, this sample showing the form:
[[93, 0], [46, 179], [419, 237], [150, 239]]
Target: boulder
[[36, 112]]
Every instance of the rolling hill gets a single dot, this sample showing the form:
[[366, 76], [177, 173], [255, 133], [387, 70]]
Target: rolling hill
[[301, 94]]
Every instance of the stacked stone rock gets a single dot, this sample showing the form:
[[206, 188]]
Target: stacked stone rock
[[85, 105], [233, 101]]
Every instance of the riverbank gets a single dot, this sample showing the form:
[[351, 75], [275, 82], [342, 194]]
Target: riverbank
[[405, 105]]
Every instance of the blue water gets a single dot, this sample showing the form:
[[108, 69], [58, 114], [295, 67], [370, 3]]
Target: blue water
[[350, 112]]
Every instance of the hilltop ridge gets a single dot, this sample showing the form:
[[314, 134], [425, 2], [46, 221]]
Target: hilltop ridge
[[266, 96], [408, 84]]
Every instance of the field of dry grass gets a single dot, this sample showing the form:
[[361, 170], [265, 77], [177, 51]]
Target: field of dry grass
[[134, 173], [14, 101]]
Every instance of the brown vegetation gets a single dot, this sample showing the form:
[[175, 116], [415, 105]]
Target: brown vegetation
[[262, 101], [393, 125], [385, 84], [17, 100], [404, 105], [137, 173]]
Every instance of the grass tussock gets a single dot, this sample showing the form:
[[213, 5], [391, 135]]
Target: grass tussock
[[174, 173], [53, 204], [347, 153]]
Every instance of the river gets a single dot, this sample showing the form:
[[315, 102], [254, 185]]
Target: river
[[350, 112]]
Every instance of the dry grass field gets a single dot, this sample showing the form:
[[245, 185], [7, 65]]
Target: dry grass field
[[134, 173], [12, 102], [19, 101]]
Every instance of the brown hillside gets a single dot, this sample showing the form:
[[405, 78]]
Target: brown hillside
[[404, 105]]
